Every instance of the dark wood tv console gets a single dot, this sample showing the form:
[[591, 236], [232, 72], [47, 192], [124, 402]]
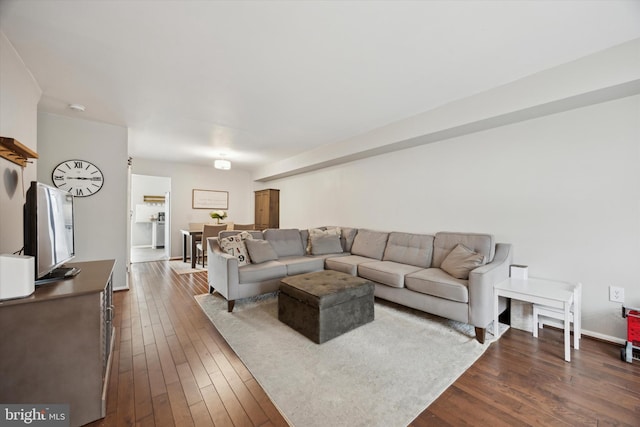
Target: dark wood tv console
[[55, 344]]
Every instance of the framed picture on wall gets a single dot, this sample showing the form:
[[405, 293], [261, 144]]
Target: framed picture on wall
[[210, 199]]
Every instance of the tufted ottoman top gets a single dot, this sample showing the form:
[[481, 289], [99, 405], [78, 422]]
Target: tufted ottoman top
[[325, 288]]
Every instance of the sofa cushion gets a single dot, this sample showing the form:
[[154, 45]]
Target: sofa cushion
[[327, 256], [268, 270], [301, 264], [235, 245], [286, 242], [444, 242], [346, 264], [386, 272], [434, 281], [370, 244], [260, 251], [407, 248], [460, 261]]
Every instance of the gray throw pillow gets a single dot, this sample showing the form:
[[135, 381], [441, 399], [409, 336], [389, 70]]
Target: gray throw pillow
[[322, 244], [260, 251], [460, 261]]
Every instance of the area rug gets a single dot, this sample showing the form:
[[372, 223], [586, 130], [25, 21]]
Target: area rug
[[185, 267], [384, 373]]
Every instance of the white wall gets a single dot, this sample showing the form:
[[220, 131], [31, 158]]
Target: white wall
[[145, 185], [564, 189], [19, 96], [101, 219], [185, 178]]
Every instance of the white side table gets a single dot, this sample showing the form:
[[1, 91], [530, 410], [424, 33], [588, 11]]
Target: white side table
[[550, 293]]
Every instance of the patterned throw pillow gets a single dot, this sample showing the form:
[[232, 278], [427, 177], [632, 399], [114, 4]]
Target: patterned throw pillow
[[235, 246]]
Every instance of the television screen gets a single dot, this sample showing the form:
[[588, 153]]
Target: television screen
[[48, 228]]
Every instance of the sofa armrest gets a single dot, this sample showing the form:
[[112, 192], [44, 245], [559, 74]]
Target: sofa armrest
[[481, 282], [222, 270]]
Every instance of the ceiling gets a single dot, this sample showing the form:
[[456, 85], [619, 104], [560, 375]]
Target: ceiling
[[259, 81]]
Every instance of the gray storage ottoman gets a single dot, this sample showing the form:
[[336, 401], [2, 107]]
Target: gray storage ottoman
[[325, 304]]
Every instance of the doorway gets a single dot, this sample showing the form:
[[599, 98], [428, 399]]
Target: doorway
[[150, 219]]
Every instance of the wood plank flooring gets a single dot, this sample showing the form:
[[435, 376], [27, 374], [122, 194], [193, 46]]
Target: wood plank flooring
[[171, 367]]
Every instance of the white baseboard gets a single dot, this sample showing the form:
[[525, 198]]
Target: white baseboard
[[604, 337]]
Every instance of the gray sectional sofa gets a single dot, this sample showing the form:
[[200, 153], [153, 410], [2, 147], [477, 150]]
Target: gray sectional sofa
[[447, 274]]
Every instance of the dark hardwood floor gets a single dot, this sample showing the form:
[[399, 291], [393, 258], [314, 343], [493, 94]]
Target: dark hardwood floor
[[171, 367]]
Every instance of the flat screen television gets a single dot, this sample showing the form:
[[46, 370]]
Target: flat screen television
[[49, 231]]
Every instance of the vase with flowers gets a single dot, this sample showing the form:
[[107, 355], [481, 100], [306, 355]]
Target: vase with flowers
[[218, 215]]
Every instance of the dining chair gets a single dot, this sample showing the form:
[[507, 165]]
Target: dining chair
[[207, 231], [244, 226], [196, 226]]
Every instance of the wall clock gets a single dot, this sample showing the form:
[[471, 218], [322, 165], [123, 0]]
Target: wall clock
[[78, 177]]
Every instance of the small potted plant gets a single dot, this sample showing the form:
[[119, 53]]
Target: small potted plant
[[218, 215]]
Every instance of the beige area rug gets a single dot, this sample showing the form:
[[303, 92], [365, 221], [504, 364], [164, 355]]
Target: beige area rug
[[185, 267], [384, 373]]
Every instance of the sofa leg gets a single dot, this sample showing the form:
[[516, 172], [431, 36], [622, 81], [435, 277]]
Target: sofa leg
[[480, 334], [230, 305], [211, 289]]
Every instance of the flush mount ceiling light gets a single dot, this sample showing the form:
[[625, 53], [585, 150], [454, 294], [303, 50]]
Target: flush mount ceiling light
[[77, 107], [222, 164]]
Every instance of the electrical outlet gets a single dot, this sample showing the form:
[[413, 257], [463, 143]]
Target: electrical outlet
[[616, 294]]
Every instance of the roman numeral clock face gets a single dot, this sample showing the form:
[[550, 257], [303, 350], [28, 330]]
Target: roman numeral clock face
[[78, 177]]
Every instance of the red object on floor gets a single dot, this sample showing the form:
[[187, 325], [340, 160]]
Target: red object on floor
[[633, 327]]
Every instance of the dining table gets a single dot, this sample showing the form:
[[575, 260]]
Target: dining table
[[190, 238]]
